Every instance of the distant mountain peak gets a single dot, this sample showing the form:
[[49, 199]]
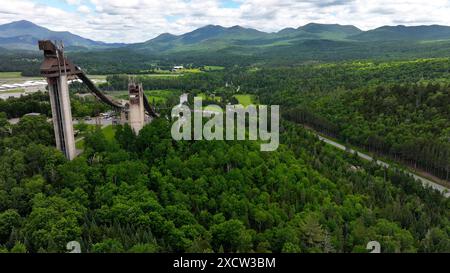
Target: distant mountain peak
[[315, 27], [237, 27], [314, 24], [165, 37], [288, 30], [407, 33], [24, 34], [22, 24], [211, 27]]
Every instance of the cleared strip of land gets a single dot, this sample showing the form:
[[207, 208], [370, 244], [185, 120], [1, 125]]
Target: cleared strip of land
[[426, 182]]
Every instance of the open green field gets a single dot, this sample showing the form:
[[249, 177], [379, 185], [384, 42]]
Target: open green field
[[83, 127], [160, 96], [168, 73], [213, 68], [208, 97], [212, 108], [8, 75], [190, 70], [97, 77], [15, 77], [12, 91], [157, 96], [79, 145], [156, 99], [245, 100], [109, 133], [165, 75]]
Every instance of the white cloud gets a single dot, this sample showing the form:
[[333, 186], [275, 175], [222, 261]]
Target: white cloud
[[140, 20], [84, 9]]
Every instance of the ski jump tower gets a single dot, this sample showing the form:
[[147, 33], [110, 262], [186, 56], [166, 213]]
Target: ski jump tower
[[57, 69], [136, 111]]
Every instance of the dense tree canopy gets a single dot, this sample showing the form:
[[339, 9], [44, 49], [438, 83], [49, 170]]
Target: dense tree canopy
[[151, 194]]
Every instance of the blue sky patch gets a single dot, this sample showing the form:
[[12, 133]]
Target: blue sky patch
[[229, 4]]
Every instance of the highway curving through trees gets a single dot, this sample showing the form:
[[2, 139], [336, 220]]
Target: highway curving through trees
[[424, 181]]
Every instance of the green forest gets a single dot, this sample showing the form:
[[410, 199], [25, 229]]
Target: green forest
[[149, 193], [398, 109], [39, 102]]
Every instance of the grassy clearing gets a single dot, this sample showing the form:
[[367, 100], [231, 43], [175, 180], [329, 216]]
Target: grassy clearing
[[208, 97], [254, 69], [109, 132], [9, 75], [79, 145], [157, 96], [97, 77], [156, 100], [245, 100], [212, 108], [15, 77], [153, 96], [84, 127], [161, 75], [13, 91], [190, 70], [213, 68], [160, 96]]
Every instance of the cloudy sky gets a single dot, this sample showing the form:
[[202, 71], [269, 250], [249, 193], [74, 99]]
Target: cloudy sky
[[140, 20]]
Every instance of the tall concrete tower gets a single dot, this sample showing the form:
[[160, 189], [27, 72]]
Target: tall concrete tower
[[62, 115], [57, 70], [136, 110]]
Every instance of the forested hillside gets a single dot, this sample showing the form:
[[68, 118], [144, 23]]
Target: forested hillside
[[148, 193], [407, 122], [400, 109], [151, 194]]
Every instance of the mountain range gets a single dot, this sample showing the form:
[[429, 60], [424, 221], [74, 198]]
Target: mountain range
[[25, 34], [216, 38]]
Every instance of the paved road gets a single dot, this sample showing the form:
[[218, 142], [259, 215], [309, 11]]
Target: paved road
[[426, 182], [93, 121]]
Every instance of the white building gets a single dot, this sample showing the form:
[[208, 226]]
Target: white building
[[177, 68]]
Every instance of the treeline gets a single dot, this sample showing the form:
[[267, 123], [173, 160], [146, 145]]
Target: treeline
[[39, 102], [419, 124], [121, 61], [390, 108], [407, 122], [399, 109], [186, 83], [148, 193], [136, 59], [20, 61]]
